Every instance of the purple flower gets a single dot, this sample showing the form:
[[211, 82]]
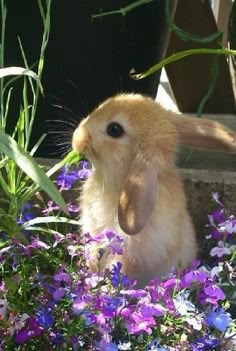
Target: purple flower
[[75, 208], [35, 244], [80, 304], [149, 310], [219, 319], [51, 207], [115, 242], [22, 336], [211, 293], [33, 330], [85, 170], [214, 291], [216, 234], [195, 275], [218, 215], [137, 324], [2, 286], [63, 277], [59, 293], [66, 179], [135, 293], [39, 244]]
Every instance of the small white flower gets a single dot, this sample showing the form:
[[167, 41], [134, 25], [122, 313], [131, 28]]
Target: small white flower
[[217, 270], [3, 307], [195, 321], [125, 346], [230, 227], [73, 250], [215, 197], [220, 250], [183, 305], [19, 324], [211, 220]]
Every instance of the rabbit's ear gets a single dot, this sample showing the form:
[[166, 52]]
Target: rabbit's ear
[[204, 133], [139, 194]]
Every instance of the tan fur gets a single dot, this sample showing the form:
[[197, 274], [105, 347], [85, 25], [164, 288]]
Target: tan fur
[[135, 189], [204, 133]]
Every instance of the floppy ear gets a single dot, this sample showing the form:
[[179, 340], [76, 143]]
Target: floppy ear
[[138, 197], [204, 133]]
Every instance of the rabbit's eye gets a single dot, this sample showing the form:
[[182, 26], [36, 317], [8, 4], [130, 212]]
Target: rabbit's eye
[[115, 130]]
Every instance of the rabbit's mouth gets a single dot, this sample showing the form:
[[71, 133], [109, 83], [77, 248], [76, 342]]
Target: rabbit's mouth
[[82, 144], [81, 141]]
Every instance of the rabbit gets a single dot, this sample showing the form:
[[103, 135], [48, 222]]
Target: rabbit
[[135, 189]]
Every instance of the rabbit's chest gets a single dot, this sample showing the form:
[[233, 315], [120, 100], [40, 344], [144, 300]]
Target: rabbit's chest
[[99, 212]]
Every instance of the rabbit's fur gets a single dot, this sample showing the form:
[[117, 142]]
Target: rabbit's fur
[[135, 189]]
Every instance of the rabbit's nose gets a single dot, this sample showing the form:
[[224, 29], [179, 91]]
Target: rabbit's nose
[[80, 139]]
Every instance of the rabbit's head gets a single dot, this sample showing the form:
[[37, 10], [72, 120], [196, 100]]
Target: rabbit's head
[[129, 142]]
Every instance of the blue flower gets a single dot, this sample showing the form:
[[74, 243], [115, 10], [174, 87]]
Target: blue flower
[[107, 346], [219, 319], [111, 306], [155, 346], [117, 277], [44, 317], [66, 179], [56, 337], [205, 343], [25, 213]]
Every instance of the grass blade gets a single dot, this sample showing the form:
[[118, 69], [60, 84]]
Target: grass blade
[[50, 219], [9, 147], [20, 71]]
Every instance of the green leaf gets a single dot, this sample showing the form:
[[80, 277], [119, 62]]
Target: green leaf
[[43, 230], [50, 219], [9, 147], [71, 158], [177, 56], [20, 71]]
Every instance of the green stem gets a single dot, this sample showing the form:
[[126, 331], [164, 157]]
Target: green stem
[[123, 11], [46, 24], [185, 35], [179, 55], [214, 75], [2, 43]]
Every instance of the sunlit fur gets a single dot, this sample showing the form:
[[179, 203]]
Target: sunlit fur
[[125, 170]]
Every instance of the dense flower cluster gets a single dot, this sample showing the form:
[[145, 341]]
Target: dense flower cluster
[[49, 297]]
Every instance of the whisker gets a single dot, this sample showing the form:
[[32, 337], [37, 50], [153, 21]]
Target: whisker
[[60, 136], [118, 83], [83, 101], [61, 121]]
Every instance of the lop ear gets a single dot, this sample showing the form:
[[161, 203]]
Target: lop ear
[[139, 194], [204, 133]]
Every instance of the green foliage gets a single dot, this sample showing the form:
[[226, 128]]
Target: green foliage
[[20, 175]]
